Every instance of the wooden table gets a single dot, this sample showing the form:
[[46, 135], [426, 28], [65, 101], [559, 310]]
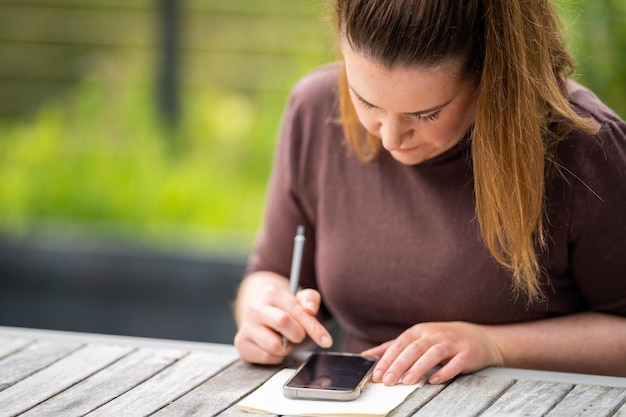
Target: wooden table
[[50, 373]]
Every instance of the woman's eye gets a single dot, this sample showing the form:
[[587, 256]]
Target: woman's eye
[[428, 118], [366, 104]]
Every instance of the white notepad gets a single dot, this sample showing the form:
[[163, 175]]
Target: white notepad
[[375, 400]]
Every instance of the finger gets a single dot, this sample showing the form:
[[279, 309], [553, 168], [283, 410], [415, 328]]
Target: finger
[[433, 356], [381, 371], [292, 320], [284, 312], [310, 300], [283, 323], [251, 351], [311, 326], [276, 319], [453, 368], [377, 351], [399, 370]]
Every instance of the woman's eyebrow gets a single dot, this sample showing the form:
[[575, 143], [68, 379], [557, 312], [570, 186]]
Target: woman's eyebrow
[[416, 113]]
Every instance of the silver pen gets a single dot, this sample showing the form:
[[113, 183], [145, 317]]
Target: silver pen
[[296, 265]]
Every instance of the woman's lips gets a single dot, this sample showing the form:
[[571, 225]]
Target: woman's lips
[[406, 150]]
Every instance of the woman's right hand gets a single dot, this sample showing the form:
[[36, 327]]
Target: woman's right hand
[[276, 312]]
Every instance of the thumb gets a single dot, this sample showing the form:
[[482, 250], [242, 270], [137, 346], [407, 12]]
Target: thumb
[[377, 350]]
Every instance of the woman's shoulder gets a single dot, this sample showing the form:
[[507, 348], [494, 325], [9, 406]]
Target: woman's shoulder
[[311, 131], [611, 134], [319, 86], [597, 161], [586, 102]]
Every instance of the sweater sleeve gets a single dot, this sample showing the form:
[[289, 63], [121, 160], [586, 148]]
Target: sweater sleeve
[[291, 193]]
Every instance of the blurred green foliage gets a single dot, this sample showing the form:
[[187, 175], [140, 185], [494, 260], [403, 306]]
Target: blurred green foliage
[[596, 34], [99, 160], [102, 162]]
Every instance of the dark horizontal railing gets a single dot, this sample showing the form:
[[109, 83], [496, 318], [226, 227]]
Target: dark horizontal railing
[[117, 289]]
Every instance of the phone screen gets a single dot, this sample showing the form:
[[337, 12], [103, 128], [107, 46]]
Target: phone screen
[[328, 372]]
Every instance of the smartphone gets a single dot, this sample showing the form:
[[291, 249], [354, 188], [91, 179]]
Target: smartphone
[[330, 376]]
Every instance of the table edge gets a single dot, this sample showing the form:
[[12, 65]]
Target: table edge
[[218, 348], [137, 341], [550, 376]]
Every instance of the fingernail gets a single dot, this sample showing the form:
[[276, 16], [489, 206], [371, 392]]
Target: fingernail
[[378, 375], [326, 341], [407, 379], [310, 306], [389, 379], [434, 380]]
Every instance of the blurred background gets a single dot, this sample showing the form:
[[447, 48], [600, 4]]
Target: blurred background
[[136, 138]]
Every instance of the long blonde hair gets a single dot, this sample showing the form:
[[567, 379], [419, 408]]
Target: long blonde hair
[[515, 49]]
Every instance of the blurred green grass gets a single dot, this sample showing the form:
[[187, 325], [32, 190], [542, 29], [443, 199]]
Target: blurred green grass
[[99, 161]]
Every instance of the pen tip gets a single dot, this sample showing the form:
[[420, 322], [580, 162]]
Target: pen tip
[[300, 230]]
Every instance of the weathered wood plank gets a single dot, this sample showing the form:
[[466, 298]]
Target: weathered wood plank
[[553, 376], [293, 361], [108, 383], [466, 396], [12, 345], [417, 400], [235, 411], [622, 411], [57, 377], [220, 392], [34, 357], [590, 401], [166, 386], [528, 398]]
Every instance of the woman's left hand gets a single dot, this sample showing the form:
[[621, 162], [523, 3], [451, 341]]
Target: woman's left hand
[[459, 346]]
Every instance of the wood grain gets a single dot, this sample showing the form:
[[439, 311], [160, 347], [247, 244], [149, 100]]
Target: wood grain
[[417, 400], [590, 401], [108, 383], [468, 395], [57, 377], [528, 398], [220, 392], [166, 386], [108, 376], [12, 345], [34, 357], [622, 411]]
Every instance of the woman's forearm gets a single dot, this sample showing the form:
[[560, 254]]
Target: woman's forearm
[[585, 342]]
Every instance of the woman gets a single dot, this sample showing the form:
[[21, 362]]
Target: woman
[[463, 199]]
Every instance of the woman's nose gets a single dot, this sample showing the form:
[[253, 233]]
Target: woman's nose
[[394, 132]]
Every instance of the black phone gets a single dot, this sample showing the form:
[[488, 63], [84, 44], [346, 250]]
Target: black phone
[[330, 376]]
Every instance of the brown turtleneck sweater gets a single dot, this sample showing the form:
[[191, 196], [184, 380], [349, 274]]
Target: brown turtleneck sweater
[[389, 245]]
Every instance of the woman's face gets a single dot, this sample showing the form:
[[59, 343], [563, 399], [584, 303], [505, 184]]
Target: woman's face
[[418, 113]]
